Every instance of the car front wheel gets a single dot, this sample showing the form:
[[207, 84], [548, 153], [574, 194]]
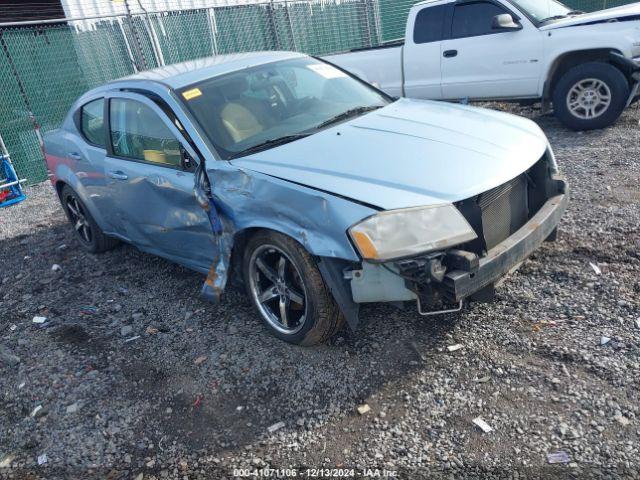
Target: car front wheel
[[286, 288], [591, 96]]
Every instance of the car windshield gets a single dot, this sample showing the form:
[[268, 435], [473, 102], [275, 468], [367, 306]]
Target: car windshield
[[543, 10], [261, 107]]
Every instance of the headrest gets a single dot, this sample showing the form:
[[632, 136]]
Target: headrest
[[234, 87]]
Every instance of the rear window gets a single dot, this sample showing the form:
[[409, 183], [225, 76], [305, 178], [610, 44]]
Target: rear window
[[92, 122], [429, 24]]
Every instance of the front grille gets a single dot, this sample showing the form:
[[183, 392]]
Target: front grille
[[504, 210], [497, 214]]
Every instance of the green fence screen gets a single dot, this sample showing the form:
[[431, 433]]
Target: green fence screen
[[45, 67]]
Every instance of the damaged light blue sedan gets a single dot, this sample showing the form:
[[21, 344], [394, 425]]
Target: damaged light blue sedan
[[313, 188]]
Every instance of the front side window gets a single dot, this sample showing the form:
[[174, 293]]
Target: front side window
[[475, 19], [138, 133], [243, 111], [92, 122], [429, 24]]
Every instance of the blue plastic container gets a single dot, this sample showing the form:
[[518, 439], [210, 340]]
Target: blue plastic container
[[8, 177]]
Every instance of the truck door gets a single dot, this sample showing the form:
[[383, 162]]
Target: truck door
[[422, 54], [482, 60]]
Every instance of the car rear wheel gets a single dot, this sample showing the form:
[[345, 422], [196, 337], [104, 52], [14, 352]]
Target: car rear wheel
[[87, 231], [590, 96], [285, 286]]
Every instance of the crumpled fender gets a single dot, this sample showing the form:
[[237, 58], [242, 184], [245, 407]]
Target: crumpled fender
[[240, 199]]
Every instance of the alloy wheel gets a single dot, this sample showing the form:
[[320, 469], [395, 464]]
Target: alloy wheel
[[277, 288], [79, 219], [589, 98]]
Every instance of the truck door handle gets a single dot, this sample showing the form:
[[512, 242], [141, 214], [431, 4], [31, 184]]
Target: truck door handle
[[75, 156], [118, 175], [450, 53]]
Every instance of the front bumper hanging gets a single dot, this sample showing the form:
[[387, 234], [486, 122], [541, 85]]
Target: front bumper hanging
[[440, 281], [504, 257]]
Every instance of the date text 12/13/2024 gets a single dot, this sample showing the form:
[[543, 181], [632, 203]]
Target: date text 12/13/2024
[[315, 473]]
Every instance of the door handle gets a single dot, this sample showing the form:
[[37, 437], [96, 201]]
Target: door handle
[[118, 175], [450, 53], [75, 156]]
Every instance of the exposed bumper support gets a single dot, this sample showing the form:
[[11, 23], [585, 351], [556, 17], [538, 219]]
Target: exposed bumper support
[[332, 271], [632, 68], [509, 254]]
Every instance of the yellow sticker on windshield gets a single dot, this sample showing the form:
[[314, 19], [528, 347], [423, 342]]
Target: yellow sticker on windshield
[[191, 94]]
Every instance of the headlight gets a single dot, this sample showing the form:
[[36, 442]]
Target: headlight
[[403, 233]]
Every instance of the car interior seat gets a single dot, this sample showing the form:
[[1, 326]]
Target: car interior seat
[[240, 116]]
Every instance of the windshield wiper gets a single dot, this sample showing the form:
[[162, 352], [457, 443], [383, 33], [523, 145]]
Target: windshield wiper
[[346, 115], [274, 142], [560, 17], [555, 17]]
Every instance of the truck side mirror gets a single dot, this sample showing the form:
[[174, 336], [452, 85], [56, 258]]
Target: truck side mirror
[[505, 22]]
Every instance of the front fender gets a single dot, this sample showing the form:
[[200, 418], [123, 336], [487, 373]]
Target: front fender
[[317, 220], [246, 200]]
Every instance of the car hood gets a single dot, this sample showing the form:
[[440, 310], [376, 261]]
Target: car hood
[[409, 153], [607, 15]]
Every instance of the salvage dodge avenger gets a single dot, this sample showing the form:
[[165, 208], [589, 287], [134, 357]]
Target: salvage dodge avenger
[[311, 187]]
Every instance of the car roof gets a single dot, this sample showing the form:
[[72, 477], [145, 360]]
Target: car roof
[[183, 74]]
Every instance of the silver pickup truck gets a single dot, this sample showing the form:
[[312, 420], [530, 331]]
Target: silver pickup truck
[[586, 65]]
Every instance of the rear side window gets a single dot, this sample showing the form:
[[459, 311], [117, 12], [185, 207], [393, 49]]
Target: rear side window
[[137, 132], [474, 19], [92, 122], [430, 24]]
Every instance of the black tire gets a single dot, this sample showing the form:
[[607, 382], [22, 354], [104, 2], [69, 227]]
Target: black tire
[[93, 242], [614, 80], [322, 317]]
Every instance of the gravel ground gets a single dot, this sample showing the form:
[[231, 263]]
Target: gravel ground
[[194, 396]]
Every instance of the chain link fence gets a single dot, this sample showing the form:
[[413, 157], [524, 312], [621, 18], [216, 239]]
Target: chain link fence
[[45, 66]]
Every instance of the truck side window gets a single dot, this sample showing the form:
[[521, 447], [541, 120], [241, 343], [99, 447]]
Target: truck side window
[[430, 24], [475, 19]]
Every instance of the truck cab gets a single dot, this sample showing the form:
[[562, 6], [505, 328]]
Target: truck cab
[[477, 57], [586, 65]]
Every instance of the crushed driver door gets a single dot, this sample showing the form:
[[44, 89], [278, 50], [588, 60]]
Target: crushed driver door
[[151, 188]]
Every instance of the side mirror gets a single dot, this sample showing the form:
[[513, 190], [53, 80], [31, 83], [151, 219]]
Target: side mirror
[[505, 22], [186, 162]]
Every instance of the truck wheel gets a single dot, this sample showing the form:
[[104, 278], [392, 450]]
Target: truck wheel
[[88, 233], [288, 291], [590, 96]]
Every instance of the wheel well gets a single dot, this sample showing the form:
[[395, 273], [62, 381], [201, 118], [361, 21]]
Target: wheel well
[[567, 61], [240, 240], [59, 186]]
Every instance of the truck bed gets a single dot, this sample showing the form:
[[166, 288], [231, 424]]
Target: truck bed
[[389, 44], [380, 65]]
